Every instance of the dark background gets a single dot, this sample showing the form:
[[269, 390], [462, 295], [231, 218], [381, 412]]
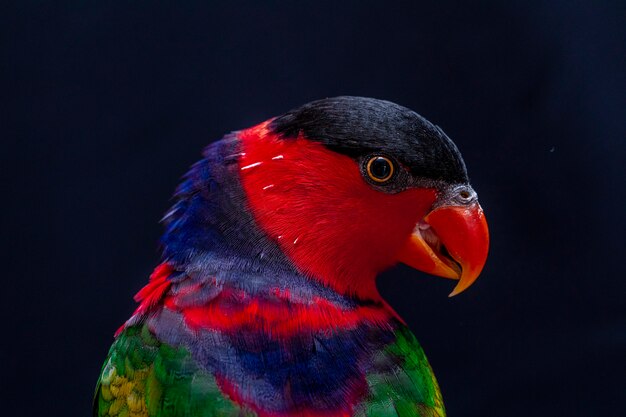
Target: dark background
[[103, 107]]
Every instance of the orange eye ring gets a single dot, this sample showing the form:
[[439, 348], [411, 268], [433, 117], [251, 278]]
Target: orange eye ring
[[380, 169]]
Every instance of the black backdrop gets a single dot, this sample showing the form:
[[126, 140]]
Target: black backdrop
[[104, 106]]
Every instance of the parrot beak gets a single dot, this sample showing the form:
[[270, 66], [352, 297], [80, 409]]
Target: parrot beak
[[450, 242]]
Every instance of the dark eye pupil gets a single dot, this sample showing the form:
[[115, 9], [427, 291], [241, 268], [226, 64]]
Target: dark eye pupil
[[380, 168]]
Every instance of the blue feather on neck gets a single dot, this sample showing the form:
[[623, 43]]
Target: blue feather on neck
[[211, 234]]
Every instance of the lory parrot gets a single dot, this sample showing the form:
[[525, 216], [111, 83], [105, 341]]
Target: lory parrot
[[265, 302]]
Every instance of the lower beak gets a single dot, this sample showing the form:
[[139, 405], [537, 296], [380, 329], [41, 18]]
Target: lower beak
[[450, 242]]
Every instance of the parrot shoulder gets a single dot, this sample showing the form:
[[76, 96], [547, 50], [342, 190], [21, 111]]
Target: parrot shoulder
[[401, 382], [143, 377]]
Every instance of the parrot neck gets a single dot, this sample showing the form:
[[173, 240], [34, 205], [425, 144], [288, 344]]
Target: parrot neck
[[209, 221], [211, 235]]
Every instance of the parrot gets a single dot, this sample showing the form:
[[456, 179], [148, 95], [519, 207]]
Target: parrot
[[265, 304]]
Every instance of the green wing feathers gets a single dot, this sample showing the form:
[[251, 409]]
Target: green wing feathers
[[401, 382], [145, 378]]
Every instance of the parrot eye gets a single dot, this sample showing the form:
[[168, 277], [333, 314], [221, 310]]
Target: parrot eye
[[379, 169]]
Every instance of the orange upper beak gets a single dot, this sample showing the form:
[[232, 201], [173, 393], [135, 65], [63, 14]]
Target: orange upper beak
[[450, 242]]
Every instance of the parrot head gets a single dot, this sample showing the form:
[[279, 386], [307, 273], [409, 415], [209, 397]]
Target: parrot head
[[347, 187]]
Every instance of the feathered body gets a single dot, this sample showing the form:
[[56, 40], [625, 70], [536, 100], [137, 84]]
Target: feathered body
[[262, 305]]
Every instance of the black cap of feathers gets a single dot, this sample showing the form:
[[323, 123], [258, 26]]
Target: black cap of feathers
[[357, 126]]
